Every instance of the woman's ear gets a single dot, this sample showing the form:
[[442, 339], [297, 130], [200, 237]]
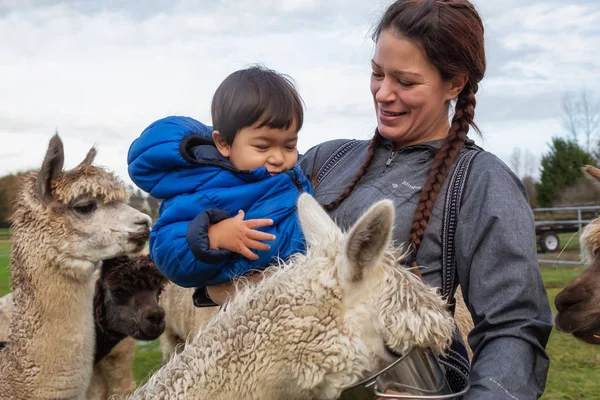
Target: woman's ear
[[456, 85], [221, 144]]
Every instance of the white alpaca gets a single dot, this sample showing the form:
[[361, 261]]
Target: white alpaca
[[320, 324], [64, 224]]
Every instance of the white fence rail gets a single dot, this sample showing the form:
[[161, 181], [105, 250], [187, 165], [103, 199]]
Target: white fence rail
[[548, 230]]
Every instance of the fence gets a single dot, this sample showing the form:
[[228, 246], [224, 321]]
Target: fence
[[547, 228]]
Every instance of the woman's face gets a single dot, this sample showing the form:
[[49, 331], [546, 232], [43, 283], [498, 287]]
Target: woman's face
[[411, 98]]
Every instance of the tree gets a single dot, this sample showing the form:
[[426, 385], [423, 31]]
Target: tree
[[561, 167], [581, 116], [529, 183], [9, 186], [530, 163], [523, 164], [515, 161]]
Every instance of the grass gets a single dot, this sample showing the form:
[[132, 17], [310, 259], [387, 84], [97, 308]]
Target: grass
[[4, 268], [5, 233], [147, 360], [574, 366], [569, 241]]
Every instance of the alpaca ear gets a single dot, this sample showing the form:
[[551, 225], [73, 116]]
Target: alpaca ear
[[51, 167], [89, 158], [592, 173], [368, 239], [316, 224]]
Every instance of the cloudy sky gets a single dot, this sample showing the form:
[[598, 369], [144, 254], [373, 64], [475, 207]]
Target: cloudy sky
[[100, 71]]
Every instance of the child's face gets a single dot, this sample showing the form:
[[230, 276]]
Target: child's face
[[274, 149]]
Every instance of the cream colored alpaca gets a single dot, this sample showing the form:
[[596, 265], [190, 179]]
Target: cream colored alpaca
[[64, 224], [318, 325], [5, 316], [182, 318], [113, 374]]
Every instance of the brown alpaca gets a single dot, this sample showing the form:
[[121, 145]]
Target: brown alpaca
[[125, 305], [64, 224], [578, 304], [126, 302]]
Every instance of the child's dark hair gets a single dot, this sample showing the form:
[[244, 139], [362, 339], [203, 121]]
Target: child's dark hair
[[252, 95]]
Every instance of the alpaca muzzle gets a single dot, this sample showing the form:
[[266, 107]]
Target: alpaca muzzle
[[141, 235]]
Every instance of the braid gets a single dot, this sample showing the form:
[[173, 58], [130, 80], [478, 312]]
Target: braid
[[363, 170], [445, 156]]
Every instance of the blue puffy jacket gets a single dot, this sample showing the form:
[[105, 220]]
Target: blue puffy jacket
[[175, 159]]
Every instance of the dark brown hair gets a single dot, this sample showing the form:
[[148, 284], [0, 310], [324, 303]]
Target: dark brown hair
[[252, 95], [450, 33]]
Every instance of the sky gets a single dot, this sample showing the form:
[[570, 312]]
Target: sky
[[99, 72]]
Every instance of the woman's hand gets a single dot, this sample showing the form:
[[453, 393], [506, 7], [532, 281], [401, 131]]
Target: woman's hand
[[235, 234]]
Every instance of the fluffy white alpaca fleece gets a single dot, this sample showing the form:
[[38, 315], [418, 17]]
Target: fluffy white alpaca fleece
[[317, 324]]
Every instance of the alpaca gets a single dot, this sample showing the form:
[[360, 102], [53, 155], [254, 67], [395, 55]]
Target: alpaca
[[182, 319], [125, 305], [126, 302], [578, 304], [320, 324], [113, 375], [64, 224], [463, 319], [5, 317]]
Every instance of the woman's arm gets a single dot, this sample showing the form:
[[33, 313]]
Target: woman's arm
[[502, 284]]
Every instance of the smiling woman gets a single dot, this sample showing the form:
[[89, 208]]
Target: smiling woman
[[428, 54]]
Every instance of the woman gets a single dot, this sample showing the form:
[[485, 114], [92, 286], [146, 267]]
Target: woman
[[429, 54]]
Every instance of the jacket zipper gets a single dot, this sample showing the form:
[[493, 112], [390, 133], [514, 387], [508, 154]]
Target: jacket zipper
[[390, 159]]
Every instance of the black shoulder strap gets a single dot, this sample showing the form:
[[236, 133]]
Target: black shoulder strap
[[456, 188], [335, 157]]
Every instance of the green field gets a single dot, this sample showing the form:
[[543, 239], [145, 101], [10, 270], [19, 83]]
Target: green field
[[574, 368]]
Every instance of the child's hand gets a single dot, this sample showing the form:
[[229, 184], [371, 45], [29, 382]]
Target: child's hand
[[235, 234]]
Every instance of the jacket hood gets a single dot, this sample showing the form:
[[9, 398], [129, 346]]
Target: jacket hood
[[164, 161]]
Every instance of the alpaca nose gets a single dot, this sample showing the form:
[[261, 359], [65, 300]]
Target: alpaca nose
[[155, 316], [143, 221]]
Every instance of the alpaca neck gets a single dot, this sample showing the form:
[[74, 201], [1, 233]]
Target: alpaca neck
[[106, 339], [241, 354], [51, 342], [105, 342]]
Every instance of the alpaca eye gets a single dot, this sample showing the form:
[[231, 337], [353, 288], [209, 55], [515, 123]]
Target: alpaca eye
[[86, 208], [120, 295]]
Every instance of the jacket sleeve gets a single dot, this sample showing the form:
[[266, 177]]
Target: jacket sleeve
[[502, 285], [181, 248], [197, 236]]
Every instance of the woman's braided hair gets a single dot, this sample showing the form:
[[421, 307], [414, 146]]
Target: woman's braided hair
[[451, 34]]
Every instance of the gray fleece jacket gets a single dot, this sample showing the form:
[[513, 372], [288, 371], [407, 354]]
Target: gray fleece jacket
[[495, 254]]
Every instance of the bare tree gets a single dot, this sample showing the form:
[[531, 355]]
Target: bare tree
[[515, 161], [581, 116], [530, 163]]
